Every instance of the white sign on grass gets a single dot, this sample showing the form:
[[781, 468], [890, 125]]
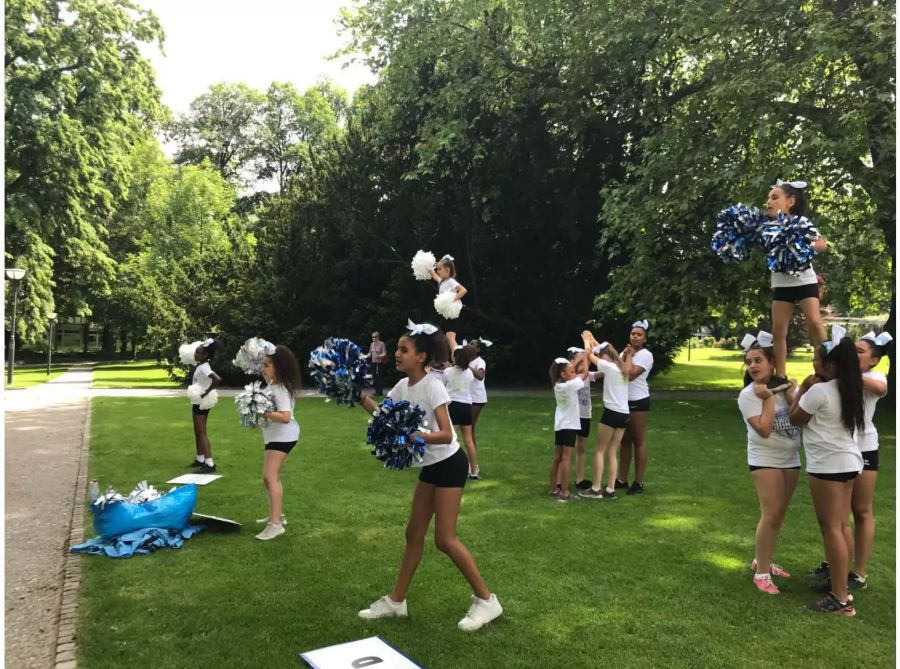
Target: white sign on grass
[[373, 652], [198, 479]]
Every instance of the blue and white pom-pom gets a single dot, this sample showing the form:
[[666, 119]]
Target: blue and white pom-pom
[[340, 369], [788, 243], [186, 353], [390, 432], [422, 264], [737, 229], [250, 356], [252, 403], [447, 305], [194, 392]]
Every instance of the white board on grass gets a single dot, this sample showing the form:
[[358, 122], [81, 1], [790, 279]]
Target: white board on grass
[[198, 479], [373, 652], [217, 519]]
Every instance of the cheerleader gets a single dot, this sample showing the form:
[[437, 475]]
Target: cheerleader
[[207, 379], [635, 437]]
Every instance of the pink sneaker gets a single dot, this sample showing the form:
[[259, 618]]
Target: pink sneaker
[[765, 585], [555, 493], [774, 569]]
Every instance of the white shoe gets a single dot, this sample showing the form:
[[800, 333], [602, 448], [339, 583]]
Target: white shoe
[[263, 521], [480, 613], [384, 608], [270, 532]]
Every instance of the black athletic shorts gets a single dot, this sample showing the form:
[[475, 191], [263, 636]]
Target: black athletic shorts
[[451, 472], [614, 418], [460, 413], [753, 468], [642, 404], [283, 446], [870, 461], [585, 427], [795, 293], [565, 437], [195, 408], [842, 477]]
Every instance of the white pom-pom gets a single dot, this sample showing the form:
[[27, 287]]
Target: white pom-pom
[[194, 392], [186, 353], [422, 264], [447, 305]]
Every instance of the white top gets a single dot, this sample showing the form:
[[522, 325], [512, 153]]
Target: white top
[[477, 389], [447, 285], [781, 449], [458, 382], [867, 440], [567, 416], [615, 386], [638, 388], [585, 406], [202, 376], [429, 393], [273, 431], [783, 280], [829, 447]]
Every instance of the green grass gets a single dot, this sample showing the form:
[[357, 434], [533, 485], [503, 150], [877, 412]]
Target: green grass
[[142, 374], [659, 580], [26, 377], [720, 369]]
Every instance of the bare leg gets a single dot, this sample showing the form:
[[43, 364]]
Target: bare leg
[[625, 453], [272, 482], [555, 480], [812, 314], [612, 449], [831, 500], [774, 488], [565, 466], [863, 518], [470, 447], [200, 438], [476, 412], [638, 425], [604, 436], [579, 459], [781, 319], [446, 511], [419, 520]]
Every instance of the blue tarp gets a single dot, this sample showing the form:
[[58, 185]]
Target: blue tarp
[[140, 542], [172, 511]]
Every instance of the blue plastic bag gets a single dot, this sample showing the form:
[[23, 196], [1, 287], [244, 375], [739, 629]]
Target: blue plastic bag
[[171, 512]]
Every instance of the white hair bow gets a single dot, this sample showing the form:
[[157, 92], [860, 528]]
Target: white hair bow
[[485, 342], [420, 328], [575, 349], [641, 324], [879, 340], [799, 185], [207, 342], [268, 348], [599, 348], [561, 361], [837, 333], [762, 338], [447, 257]]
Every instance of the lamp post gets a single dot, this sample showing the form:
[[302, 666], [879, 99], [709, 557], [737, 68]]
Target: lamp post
[[15, 275], [51, 316]]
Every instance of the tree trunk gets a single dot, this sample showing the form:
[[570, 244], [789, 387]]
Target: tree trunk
[[107, 340], [85, 336]]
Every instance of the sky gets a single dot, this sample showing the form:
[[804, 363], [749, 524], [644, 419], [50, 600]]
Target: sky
[[251, 41]]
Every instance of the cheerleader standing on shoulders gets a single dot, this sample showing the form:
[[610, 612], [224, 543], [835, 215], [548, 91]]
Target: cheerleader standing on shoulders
[[458, 380], [566, 420], [443, 476], [773, 453], [207, 379], [445, 275], [635, 437], [830, 407]]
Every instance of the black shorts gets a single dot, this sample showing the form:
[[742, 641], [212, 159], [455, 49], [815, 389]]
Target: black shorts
[[841, 477], [565, 437], [795, 293], [451, 472], [478, 404], [197, 411], [643, 404], [870, 461], [585, 427], [753, 468], [283, 446], [614, 419], [460, 413]]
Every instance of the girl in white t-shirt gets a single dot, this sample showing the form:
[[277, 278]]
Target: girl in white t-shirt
[[829, 406], [280, 432], [789, 197], [566, 383], [585, 409], [773, 453], [635, 437], [207, 379], [458, 380], [441, 481], [478, 390], [445, 275], [614, 371]]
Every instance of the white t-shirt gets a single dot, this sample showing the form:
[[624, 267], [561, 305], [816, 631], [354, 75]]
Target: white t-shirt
[[784, 280], [781, 449], [201, 376], [615, 387], [447, 285], [429, 393], [273, 431], [638, 388], [459, 382], [567, 416], [867, 440], [477, 389], [585, 406], [829, 447]]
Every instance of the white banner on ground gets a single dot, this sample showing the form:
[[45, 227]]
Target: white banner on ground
[[373, 652], [198, 479]]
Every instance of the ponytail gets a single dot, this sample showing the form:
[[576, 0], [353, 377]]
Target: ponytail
[[849, 381]]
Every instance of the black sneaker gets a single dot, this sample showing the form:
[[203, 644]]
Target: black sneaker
[[635, 489], [820, 572], [856, 582], [590, 493], [620, 484], [195, 463], [778, 383], [830, 604], [611, 496], [206, 469], [584, 485]]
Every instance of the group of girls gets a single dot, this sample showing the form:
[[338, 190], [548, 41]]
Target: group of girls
[[626, 403]]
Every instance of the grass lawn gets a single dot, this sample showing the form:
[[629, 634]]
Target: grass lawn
[[25, 377], [720, 369], [141, 374], [658, 580]]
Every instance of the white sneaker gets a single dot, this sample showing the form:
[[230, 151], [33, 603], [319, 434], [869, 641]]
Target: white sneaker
[[480, 613], [263, 521], [384, 608], [270, 532]]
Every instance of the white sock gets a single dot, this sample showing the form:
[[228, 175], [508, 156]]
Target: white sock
[[209, 461], [201, 459], [763, 577], [610, 490]]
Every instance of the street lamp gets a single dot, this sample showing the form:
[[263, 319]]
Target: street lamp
[[51, 316], [15, 275]]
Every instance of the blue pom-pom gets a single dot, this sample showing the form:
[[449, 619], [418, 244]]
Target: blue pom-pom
[[788, 243], [389, 434], [340, 370], [737, 230]]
